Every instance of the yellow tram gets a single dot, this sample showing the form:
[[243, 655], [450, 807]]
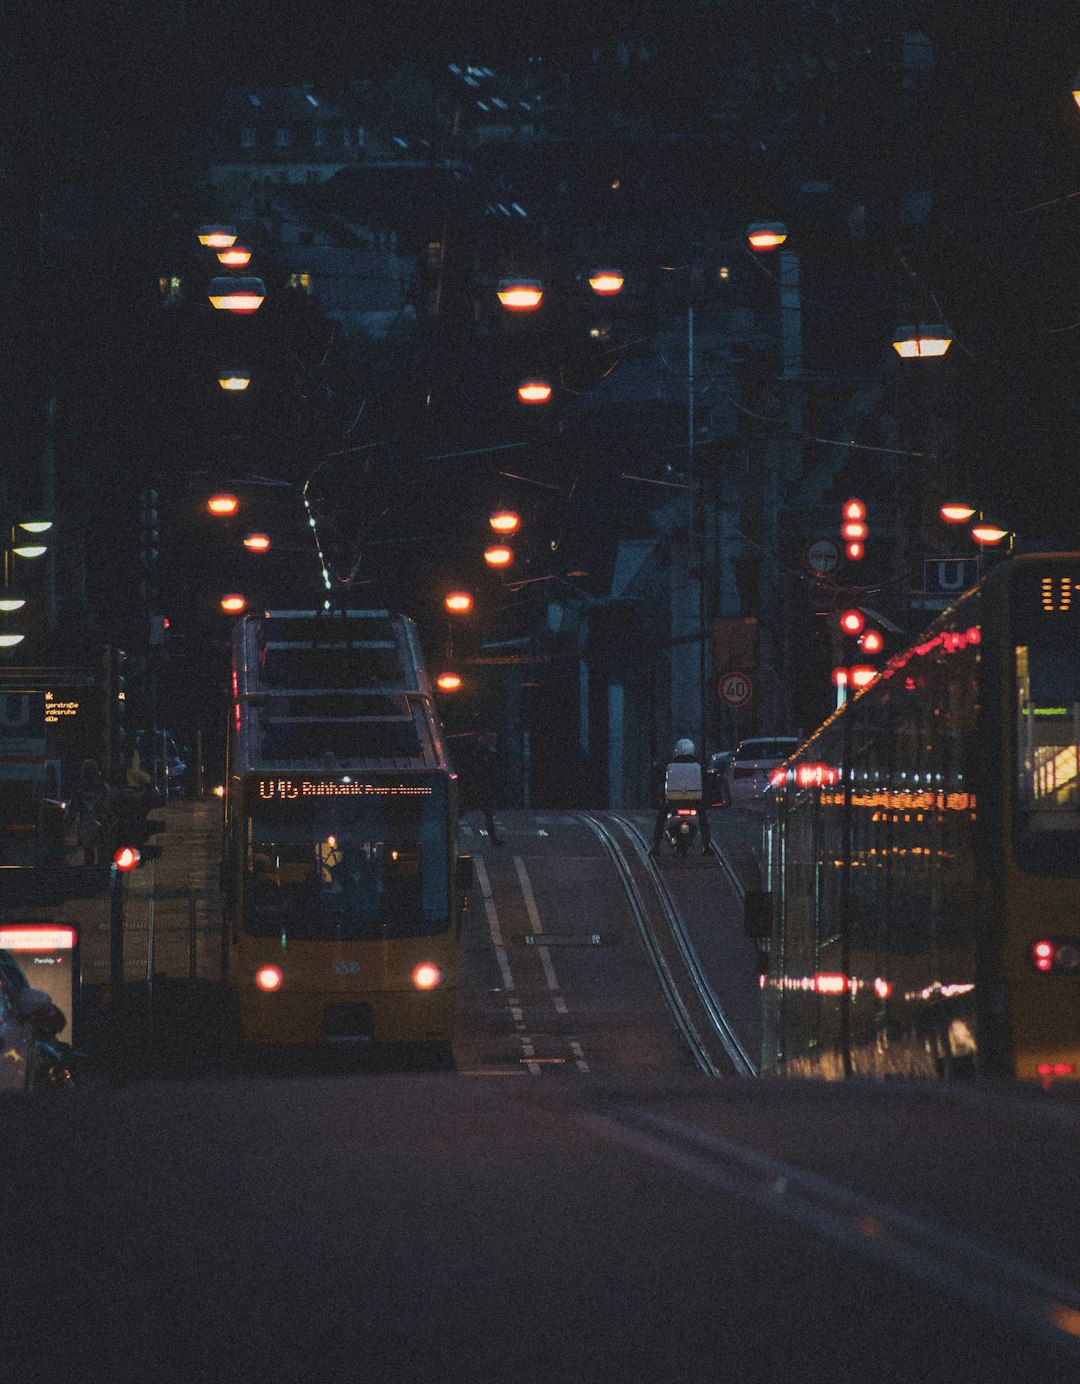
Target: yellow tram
[[343, 885], [923, 853]]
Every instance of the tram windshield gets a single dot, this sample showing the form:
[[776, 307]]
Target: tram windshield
[[1047, 703], [345, 861]]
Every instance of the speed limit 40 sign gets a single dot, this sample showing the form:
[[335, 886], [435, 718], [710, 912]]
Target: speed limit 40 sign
[[735, 689]]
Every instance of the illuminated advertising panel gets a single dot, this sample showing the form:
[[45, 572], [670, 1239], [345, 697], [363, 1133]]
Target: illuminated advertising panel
[[48, 954]]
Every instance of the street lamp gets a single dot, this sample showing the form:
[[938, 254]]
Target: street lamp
[[234, 381], [606, 282], [458, 602], [921, 339], [534, 391], [239, 295], [505, 521], [223, 504], [520, 295], [216, 236], [233, 604], [257, 542], [988, 535], [766, 235], [956, 513], [448, 682], [236, 256], [499, 556]]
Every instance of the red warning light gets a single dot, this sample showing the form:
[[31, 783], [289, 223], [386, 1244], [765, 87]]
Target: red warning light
[[854, 510], [872, 642], [126, 858], [852, 621], [856, 551]]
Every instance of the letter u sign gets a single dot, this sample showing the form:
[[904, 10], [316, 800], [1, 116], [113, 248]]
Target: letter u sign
[[15, 712]]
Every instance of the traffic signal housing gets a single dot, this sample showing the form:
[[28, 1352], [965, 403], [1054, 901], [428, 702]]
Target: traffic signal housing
[[130, 827]]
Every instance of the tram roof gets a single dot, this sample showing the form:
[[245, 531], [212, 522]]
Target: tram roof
[[327, 691]]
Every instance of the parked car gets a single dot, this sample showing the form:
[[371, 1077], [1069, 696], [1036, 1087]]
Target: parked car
[[719, 787], [752, 764]]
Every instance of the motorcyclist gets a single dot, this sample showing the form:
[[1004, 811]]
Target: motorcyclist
[[682, 788]]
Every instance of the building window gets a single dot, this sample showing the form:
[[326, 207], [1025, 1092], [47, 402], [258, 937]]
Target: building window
[[282, 138], [249, 136], [301, 282], [172, 290], [318, 135]]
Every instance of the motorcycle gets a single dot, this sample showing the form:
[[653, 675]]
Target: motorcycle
[[681, 829]]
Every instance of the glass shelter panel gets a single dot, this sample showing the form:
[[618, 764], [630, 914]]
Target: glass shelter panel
[[1046, 703]]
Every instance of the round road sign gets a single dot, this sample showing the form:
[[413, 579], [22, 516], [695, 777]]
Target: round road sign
[[822, 556], [736, 689]]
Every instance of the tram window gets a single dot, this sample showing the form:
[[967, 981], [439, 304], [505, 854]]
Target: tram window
[[347, 869], [1047, 753]]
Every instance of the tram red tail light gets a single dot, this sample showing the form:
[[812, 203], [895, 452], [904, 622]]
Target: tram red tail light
[[268, 978], [1056, 1068], [426, 976], [1061, 954]]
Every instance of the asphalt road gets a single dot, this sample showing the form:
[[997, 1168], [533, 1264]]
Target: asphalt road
[[574, 1202]]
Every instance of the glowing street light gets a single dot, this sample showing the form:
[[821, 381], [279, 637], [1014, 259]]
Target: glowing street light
[[217, 237], [458, 602], [10, 601], [448, 682], [520, 295], [505, 521], [606, 282], [8, 641], [236, 256], [223, 504], [499, 556], [913, 340], [957, 513], [766, 235], [257, 542], [239, 295], [1076, 89], [233, 604], [988, 535], [234, 380], [534, 391]]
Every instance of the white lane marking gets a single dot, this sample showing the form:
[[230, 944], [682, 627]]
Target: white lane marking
[[986, 1279], [534, 920], [493, 922], [545, 956], [494, 1071], [500, 955]]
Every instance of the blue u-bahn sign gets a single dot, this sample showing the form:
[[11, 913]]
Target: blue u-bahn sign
[[949, 576]]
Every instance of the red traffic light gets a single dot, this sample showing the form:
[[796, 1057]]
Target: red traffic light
[[872, 642], [853, 529], [852, 621], [855, 550], [127, 858], [854, 509]]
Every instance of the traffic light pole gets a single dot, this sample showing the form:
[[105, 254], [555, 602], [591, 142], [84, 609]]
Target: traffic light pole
[[116, 928]]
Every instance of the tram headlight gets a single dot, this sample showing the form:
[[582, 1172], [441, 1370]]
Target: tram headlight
[[427, 976], [268, 978]]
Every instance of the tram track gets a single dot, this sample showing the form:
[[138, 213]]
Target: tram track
[[691, 1000]]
